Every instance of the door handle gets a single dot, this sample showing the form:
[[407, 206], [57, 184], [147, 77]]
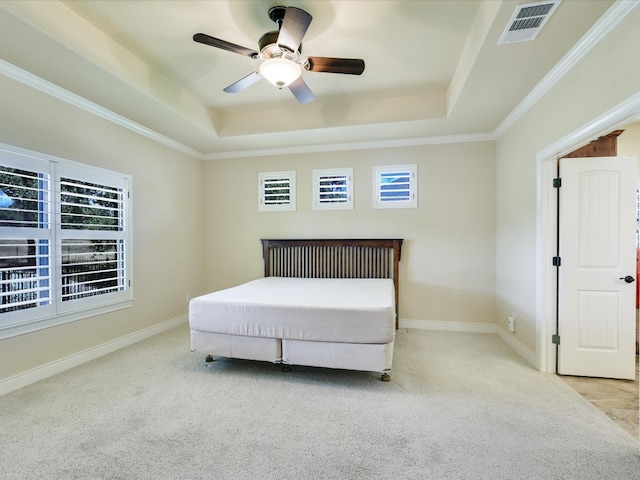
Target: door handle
[[628, 279]]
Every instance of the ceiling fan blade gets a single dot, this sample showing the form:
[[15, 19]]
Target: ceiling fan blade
[[243, 83], [294, 26], [349, 66], [231, 47], [301, 91]]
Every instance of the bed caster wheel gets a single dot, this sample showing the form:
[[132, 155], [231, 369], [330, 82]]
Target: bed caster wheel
[[209, 358], [385, 377]]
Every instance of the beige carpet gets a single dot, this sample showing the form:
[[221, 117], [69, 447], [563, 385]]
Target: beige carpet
[[459, 406]]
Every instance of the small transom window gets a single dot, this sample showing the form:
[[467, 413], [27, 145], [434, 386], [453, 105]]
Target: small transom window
[[333, 189], [395, 186]]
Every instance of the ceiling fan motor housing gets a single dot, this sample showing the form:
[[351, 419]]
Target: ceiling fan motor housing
[[269, 48]]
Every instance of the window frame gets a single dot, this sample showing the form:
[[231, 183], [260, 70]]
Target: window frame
[[263, 204], [58, 312], [319, 174], [379, 171]]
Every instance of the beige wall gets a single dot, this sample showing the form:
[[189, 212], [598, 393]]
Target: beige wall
[[182, 216], [470, 252], [629, 142], [448, 258], [607, 76], [167, 219]]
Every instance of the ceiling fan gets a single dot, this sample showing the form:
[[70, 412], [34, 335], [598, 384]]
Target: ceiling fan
[[281, 52]]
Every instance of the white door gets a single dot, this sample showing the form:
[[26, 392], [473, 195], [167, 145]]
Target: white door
[[596, 287]]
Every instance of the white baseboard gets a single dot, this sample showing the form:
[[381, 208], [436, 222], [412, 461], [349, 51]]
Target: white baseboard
[[58, 366], [448, 326], [523, 351]]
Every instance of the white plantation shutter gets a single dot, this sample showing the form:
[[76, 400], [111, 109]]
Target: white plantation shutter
[[25, 274], [25, 202], [395, 186], [25, 240], [276, 191], [92, 234], [64, 241], [333, 189], [91, 206]]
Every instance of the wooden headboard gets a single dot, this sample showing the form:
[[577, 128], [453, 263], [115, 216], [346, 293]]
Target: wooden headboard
[[333, 258]]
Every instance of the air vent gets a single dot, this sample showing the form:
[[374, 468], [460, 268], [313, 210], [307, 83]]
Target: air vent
[[527, 21]]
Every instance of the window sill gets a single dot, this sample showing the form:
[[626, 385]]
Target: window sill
[[22, 328]]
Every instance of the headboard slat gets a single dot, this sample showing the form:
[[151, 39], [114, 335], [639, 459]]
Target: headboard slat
[[331, 258]]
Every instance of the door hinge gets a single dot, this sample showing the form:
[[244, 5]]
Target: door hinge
[[557, 182], [556, 261], [555, 339]]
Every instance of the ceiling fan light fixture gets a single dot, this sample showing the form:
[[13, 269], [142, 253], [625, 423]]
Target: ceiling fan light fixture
[[281, 54], [280, 71]]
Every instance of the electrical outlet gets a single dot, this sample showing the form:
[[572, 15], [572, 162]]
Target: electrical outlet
[[512, 322]]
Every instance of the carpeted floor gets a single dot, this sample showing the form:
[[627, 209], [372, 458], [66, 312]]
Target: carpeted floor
[[459, 406]]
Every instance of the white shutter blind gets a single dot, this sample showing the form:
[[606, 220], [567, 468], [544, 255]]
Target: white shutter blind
[[333, 189], [91, 267], [276, 191], [395, 186], [24, 198], [90, 206], [25, 274], [92, 234], [25, 249], [64, 241]]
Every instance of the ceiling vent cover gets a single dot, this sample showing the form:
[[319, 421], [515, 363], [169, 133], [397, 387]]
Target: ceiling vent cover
[[527, 21]]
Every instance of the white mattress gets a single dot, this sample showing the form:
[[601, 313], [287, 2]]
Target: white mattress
[[310, 309]]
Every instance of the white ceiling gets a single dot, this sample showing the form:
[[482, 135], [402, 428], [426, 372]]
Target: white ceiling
[[433, 68]]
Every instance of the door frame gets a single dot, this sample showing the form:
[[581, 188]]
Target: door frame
[[546, 166]]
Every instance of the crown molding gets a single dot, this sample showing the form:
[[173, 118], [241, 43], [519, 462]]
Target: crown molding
[[346, 146], [613, 119], [612, 17], [30, 80]]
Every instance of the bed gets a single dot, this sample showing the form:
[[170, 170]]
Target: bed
[[322, 303]]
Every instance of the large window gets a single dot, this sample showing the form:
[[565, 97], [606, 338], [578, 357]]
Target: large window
[[64, 241]]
